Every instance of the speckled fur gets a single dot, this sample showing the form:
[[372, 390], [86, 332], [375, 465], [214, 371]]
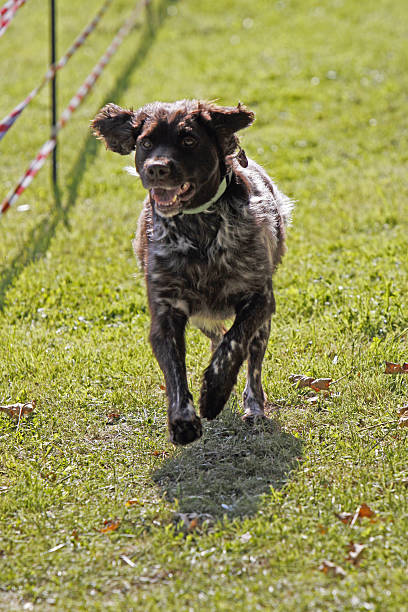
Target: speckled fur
[[208, 267]]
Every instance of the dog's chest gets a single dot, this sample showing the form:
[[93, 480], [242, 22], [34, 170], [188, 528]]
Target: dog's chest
[[210, 260]]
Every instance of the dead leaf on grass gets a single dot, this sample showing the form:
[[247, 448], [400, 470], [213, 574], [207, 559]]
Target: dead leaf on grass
[[395, 368], [345, 517], [354, 553], [321, 384], [299, 380], [317, 384], [112, 418], [403, 422], [193, 524], [363, 511], [403, 410], [160, 453], [134, 502], [110, 525], [331, 569], [16, 411]]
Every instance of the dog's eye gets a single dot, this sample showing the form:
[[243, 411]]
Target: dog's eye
[[146, 144], [189, 141]]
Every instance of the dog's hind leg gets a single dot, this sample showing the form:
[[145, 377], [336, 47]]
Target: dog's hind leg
[[253, 396], [167, 340]]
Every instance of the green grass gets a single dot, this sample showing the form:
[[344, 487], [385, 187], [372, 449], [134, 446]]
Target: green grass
[[328, 83]]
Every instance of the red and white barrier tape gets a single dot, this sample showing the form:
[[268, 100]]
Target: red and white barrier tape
[[8, 121], [48, 146], [6, 7], [7, 13]]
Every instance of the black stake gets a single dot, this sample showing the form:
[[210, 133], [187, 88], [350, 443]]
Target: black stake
[[53, 90]]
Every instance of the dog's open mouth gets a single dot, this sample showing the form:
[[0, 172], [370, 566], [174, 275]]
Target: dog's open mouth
[[169, 201]]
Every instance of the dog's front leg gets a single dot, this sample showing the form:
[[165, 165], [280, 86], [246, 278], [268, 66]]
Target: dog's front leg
[[167, 340], [221, 375]]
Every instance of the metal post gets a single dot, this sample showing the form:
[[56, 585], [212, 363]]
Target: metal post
[[53, 88]]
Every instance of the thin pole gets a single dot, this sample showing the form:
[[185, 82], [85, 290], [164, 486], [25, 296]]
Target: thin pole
[[53, 88]]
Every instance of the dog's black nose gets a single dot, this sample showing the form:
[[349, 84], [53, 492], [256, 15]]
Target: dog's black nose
[[158, 170]]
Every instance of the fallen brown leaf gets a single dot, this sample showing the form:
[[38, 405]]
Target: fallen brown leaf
[[299, 380], [16, 411], [395, 368], [391, 368], [321, 384], [110, 525], [193, 524], [331, 569], [112, 417], [160, 453], [354, 553], [134, 502], [317, 384], [365, 511], [403, 422], [345, 517], [403, 410]]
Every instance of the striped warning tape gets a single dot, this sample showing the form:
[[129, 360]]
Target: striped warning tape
[[8, 121], [76, 100], [7, 13]]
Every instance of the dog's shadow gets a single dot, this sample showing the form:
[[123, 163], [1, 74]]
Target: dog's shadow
[[228, 471]]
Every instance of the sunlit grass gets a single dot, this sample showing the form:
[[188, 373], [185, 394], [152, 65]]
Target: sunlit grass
[[328, 84]]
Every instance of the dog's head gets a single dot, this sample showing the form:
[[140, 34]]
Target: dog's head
[[183, 149]]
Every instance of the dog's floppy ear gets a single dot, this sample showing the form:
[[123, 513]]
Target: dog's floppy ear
[[225, 121], [229, 119], [118, 127]]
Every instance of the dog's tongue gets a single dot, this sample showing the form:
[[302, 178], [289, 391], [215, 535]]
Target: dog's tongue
[[164, 195]]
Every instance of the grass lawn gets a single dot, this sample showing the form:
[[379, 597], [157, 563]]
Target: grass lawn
[[97, 510]]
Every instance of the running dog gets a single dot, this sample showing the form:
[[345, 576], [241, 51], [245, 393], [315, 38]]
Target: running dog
[[209, 238]]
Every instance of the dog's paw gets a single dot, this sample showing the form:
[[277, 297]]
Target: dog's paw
[[250, 417], [184, 432], [254, 405], [184, 424]]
